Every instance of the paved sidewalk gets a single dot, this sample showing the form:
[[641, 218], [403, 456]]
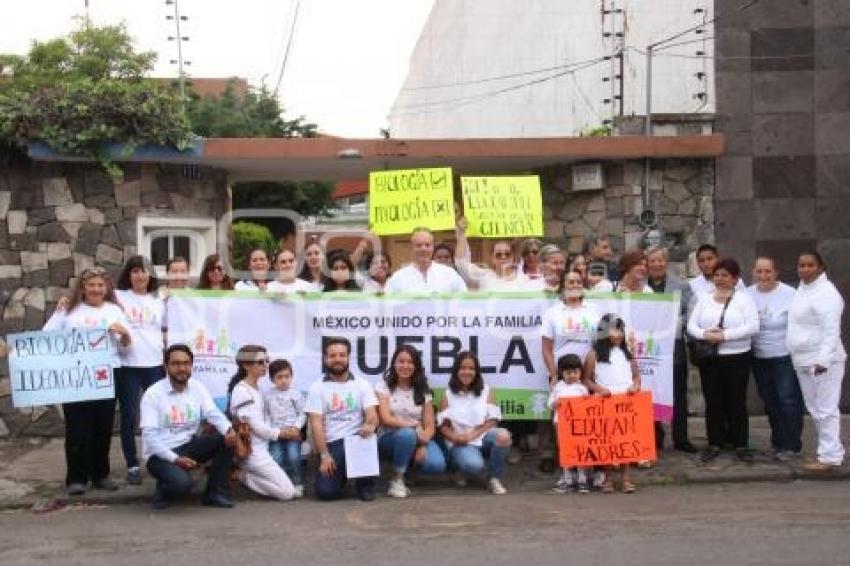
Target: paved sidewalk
[[32, 470]]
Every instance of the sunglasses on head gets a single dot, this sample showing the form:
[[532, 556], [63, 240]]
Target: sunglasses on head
[[94, 272]]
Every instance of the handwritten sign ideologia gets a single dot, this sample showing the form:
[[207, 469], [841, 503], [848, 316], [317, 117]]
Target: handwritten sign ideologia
[[402, 200], [598, 431], [502, 207], [65, 366]]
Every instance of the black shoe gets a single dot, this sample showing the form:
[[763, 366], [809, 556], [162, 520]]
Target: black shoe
[[686, 447], [547, 465], [745, 455], [159, 500], [366, 494], [709, 454], [105, 484], [217, 500]]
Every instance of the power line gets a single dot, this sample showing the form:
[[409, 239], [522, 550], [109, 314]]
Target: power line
[[461, 101], [741, 8], [726, 57], [499, 77], [288, 47]]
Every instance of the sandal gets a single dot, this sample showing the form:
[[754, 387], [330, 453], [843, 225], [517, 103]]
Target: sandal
[[628, 487], [608, 486]]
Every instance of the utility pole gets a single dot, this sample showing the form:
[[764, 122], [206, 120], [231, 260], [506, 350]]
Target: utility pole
[[179, 38]]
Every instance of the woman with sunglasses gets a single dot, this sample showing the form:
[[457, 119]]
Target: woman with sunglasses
[[530, 263], [213, 277], [88, 424], [258, 472], [502, 274]]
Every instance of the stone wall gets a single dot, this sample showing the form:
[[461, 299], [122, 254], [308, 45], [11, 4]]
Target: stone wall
[[57, 219], [681, 193]]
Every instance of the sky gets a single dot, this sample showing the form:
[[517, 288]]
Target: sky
[[347, 60]]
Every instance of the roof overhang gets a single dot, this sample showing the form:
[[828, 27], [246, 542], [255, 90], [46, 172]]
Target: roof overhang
[[335, 159]]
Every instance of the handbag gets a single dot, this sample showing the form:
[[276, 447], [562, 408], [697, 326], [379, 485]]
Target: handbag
[[242, 430], [702, 351]]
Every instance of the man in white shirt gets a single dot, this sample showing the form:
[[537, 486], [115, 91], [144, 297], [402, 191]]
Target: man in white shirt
[[424, 275], [707, 258], [340, 405], [171, 413]]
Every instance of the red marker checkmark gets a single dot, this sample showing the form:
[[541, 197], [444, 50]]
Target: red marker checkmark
[[97, 342]]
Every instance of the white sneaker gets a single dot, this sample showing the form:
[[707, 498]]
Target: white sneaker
[[496, 487], [598, 479], [460, 480], [299, 491], [398, 489]]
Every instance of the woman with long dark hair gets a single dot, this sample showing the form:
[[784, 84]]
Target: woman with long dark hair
[[88, 424], [468, 421], [141, 365], [314, 258], [259, 472], [341, 275], [213, 276], [407, 419]]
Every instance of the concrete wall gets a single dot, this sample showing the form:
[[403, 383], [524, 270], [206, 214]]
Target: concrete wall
[[783, 78], [58, 219], [467, 40]]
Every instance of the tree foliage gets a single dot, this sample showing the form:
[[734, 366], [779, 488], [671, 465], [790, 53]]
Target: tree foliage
[[79, 94], [249, 236]]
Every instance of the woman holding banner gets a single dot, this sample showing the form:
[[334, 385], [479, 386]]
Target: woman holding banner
[[314, 258], [213, 276], [88, 424], [259, 472], [341, 276], [286, 281], [468, 418], [258, 265], [553, 262], [568, 328], [141, 365], [406, 435]]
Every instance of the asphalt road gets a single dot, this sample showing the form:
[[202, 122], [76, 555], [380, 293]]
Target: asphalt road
[[777, 523]]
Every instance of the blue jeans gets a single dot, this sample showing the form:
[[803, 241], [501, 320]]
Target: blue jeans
[[398, 446], [779, 388], [287, 454], [471, 460], [174, 482], [332, 487], [131, 382]]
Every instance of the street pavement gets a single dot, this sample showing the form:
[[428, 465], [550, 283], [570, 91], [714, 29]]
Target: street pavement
[[32, 471], [791, 523]]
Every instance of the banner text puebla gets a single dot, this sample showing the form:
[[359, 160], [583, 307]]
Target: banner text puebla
[[600, 431], [46, 368], [503, 329]]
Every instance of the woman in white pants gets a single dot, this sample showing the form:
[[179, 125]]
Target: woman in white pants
[[259, 472], [814, 340]]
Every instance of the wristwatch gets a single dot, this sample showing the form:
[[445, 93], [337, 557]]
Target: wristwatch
[[326, 455]]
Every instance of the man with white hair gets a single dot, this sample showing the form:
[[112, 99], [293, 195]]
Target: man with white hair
[[424, 274]]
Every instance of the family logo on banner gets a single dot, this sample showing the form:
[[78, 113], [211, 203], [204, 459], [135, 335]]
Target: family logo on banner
[[47, 368], [502, 328], [400, 201], [600, 431], [498, 207]]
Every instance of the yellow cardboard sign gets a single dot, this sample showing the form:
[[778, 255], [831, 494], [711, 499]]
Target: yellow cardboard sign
[[402, 200], [502, 207]]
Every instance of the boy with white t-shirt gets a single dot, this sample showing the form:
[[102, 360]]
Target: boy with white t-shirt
[[338, 406]]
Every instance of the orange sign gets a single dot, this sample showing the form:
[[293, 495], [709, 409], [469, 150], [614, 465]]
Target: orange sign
[[598, 431]]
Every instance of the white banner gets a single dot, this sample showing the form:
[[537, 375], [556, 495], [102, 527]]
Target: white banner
[[504, 329]]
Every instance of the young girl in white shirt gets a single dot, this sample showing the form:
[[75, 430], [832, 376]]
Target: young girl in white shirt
[[611, 369], [569, 385]]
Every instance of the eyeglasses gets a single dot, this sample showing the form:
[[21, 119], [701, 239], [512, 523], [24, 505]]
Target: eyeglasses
[[94, 272]]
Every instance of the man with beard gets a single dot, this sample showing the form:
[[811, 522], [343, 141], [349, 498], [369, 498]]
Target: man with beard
[[340, 405], [171, 414]]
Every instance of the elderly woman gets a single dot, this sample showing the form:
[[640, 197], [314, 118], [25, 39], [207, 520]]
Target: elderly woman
[[259, 472], [88, 424], [468, 422], [530, 262], [633, 274], [405, 406], [502, 273], [728, 319], [772, 366], [814, 340], [553, 262]]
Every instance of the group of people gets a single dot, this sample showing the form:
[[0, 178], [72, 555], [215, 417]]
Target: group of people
[[789, 338]]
